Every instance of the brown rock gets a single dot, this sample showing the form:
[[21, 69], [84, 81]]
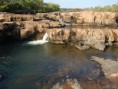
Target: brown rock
[[17, 17], [69, 84], [84, 38], [110, 69], [58, 35], [2, 17]]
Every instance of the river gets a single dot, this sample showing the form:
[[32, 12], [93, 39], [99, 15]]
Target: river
[[29, 66]]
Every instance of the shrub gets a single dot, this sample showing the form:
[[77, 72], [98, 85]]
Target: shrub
[[112, 8], [27, 6]]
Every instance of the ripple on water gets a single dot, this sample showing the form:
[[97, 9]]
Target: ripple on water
[[41, 67]]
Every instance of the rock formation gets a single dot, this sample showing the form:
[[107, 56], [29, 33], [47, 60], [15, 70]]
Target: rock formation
[[82, 17], [20, 27], [84, 38], [69, 84], [110, 69]]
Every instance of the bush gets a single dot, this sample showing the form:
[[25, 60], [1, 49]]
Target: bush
[[50, 7], [113, 8], [27, 6]]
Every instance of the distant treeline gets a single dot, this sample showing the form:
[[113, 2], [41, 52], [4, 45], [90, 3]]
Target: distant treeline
[[112, 8], [27, 6], [70, 9]]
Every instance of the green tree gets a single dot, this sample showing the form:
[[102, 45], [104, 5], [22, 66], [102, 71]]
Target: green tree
[[112, 8], [27, 6], [50, 7]]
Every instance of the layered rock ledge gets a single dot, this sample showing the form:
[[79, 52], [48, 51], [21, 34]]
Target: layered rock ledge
[[82, 17], [85, 38], [62, 27]]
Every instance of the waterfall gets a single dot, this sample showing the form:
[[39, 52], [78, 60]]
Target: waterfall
[[45, 37], [37, 42], [61, 21]]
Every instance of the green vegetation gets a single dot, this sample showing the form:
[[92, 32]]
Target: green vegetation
[[112, 8], [27, 6], [50, 7], [71, 9]]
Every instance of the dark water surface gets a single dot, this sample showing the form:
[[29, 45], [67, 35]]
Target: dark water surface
[[26, 67]]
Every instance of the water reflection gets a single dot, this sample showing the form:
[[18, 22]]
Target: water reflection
[[40, 67]]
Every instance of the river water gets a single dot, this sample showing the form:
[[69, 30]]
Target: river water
[[40, 66]]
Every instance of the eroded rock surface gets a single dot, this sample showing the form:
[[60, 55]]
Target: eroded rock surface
[[82, 17], [84, 38], [69, 84], [110, 68], [28, 26]]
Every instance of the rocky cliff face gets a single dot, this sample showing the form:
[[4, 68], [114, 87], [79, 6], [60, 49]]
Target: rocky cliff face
[[82, 17], [84, 38], [16, 26]]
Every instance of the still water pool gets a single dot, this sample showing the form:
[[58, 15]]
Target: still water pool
[[27, 67]]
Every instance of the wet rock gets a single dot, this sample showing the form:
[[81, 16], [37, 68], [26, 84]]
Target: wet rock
[[69, 84], [109, 66]]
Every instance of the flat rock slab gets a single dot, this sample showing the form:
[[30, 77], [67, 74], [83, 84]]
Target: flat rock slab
[[109, 66]]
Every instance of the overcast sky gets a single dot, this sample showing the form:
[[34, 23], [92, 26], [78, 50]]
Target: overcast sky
[[82, 3]]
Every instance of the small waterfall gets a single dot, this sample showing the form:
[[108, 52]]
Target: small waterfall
[[61, 21], [45, 37], [37, 42]]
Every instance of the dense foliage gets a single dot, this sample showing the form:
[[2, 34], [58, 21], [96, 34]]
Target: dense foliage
[[27, 6], [112, 8]]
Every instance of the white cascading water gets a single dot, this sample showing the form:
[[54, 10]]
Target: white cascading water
[[37, 42]]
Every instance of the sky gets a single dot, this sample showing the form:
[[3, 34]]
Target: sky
[[82, 3]]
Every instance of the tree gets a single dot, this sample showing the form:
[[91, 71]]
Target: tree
[[50, 7], [27, 6]]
